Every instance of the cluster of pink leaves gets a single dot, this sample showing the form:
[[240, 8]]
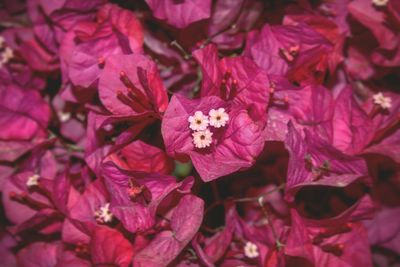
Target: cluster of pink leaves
[[99, 167]]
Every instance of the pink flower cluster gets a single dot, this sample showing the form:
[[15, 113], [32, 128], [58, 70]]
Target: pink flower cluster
[[186, 133]]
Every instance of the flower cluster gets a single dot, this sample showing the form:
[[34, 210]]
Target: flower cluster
[[199, 133], [202, 136]]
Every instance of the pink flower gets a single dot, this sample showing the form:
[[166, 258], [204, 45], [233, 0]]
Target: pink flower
[[299, 105], [352, 129], [185, 220], [297, 52], [235, 79], [180, 14], [48, 254], [109, 246], [24, 119], [344, 245], [316, 166], [87, 46], [231, 19], [384, 133], [230, 115], [376, 19], [140, 156], [224, 150], [131, 86], [92, 206], [115, 116], [28, 201], [136, 196]]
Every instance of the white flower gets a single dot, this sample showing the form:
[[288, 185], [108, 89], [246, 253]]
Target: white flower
[[202, 139], [64, 116], [2, 41], [108, 127], [218, 118], [198, 122], [7, 55], [381, 100], [380, 2], [251, 250], [104, 215], [33, 180]]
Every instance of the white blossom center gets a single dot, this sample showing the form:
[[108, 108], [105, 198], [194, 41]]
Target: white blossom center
[[64, 116], [104, 215], [380, 2], [2, 41], [251, 250], [218, 118], [33, 180], [6, 55], [202, 139], [198, 122], [382, 101]]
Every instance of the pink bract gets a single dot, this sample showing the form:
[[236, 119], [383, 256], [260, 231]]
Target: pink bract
[[199, 133]]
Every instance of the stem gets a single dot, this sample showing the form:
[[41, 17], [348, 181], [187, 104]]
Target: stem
[[211, 230], [249, 199], [185, 54], [227, 28], [278, 243], [69, 146], [246, 199], [74, 147], [213, 205], [193, 254]]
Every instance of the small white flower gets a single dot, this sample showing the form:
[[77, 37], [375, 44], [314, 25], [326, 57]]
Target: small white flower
[[380, 2], [340, 184], [2, 41], [202, 139], [64, 116], [104, 215], [218, 118], [7, 55], [33, 180], [198, 122], [381, 100], [80, 116], [251, 250], [108, 127]]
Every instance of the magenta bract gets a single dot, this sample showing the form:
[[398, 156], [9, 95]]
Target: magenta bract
[[195, 133]]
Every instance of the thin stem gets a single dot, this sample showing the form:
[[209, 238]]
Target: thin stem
[[211, 230], [185, 54], [213, 205], [249, 199], [69, 146], [232, 25], [278, 243], [193, 254], [246, 199]]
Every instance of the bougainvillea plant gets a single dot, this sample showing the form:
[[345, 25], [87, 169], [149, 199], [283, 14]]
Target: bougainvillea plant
[[200, 133]]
